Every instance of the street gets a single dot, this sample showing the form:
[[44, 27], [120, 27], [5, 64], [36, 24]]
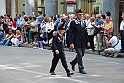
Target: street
[[28, 65]]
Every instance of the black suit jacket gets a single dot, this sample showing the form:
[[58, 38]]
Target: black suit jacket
[[78, 34], [57, 43]]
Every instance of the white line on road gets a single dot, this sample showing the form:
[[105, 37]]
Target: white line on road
[[42, 74]]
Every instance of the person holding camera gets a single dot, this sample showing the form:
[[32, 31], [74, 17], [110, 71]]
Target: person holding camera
[[115, 46]]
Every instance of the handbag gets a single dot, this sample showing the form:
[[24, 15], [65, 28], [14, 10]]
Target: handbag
[[33, 29]]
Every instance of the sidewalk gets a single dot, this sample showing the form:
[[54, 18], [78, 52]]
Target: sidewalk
[[67, 49]]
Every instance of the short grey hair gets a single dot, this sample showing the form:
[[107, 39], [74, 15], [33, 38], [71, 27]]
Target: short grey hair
[[123, 13], [98, 15]]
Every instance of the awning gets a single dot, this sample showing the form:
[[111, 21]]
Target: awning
[[70, 1]]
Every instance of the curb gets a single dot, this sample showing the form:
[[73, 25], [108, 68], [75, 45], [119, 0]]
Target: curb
[[67, 49]]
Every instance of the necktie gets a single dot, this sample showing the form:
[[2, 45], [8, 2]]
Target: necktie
[[79, 22]]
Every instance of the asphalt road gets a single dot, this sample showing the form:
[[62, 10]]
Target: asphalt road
[[27, 65]]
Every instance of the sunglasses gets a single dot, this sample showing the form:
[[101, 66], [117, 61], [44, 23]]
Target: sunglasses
[[80, 14]]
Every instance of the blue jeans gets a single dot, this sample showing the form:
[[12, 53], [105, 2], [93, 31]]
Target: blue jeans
[[78, 58], [5, 42], [122, 40]]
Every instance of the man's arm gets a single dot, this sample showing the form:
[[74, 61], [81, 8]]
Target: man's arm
[[71, 34]]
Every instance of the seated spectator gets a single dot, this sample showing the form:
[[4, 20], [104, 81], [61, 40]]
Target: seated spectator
[[16, 40], [7, 39], [35, 43], [115, 43], [42, 42]]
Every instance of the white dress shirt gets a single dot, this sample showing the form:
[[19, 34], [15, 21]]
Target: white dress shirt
[[122, 25], [49, 25]]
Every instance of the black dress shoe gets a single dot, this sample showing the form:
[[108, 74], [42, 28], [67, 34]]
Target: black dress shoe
[[52, 73], [82, 72], [69, 74], [73, 67]]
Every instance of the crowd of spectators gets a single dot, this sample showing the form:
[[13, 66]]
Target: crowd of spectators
[[39, 30]]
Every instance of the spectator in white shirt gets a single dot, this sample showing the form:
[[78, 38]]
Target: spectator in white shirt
[[122, 32], [87, 19], [90, 31], [49, 28], [115, 45]]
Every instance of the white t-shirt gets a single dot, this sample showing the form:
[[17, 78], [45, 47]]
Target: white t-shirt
[[122, 25], [49, 26], [90, 29], [114, 41]]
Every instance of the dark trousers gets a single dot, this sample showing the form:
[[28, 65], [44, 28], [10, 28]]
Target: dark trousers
[[55, 62], [91, 38], [122, 40], [78, 58], [50, 35]]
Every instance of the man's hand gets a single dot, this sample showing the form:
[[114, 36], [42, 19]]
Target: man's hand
[[57, 52], [72, 46], [88, 44]]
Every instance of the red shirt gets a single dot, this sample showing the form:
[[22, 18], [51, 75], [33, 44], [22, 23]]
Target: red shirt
[[14, 23]]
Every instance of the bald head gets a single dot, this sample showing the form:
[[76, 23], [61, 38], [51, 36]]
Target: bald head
[[122, 16]]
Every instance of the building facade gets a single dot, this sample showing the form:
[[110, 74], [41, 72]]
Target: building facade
[[52, 7]]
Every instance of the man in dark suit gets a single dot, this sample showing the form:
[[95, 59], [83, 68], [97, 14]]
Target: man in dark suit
[[58, 52], [78, 39]]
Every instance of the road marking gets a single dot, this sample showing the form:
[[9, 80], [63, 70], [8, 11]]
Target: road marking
[[30, 66], [42, 74], [113, 62], [95, 75]]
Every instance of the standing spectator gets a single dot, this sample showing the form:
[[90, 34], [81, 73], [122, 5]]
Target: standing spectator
[[26, 29], [43, 16], [78, 39], [18, 22], [9, 23], [5, 26], [14, 25], [22, 17], [72, 16], [34, 27], [30, 35], [108, 13], [57, 22], [1, 35], [103, 18], [107, 27], [62, 20], [87, 19], [39, 20], [90, 31], [122, 32], [98, 29], [49, 29]]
